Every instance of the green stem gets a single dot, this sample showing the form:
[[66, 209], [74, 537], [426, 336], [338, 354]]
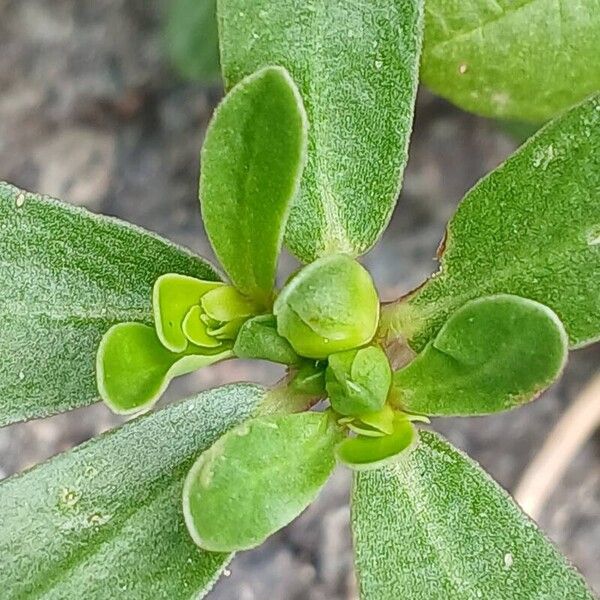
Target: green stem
[[282, 398]]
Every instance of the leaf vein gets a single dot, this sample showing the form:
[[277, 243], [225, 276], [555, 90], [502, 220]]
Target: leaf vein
[[481, 27]]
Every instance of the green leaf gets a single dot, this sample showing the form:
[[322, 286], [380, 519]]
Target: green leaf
[[258, 338], [252, 161], [105, 519], [381, 421], [257, 478], [188, 311], [192, 39], [134, 368], [195, 329], [366, 452], [435, 526], [67, 275], [226, 331], [225, 304], [356, 64], [173, 297], [531, 228], [518, 59], [493, 354]]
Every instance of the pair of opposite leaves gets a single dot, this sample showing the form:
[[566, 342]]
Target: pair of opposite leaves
[[196, 323]]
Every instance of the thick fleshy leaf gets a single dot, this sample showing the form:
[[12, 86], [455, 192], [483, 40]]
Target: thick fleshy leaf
[[435, 526], [518, 59], [258, 338], [356, 64], [134, 369], [105, 520], [67, 275], [493, 354], [257, 478], [192, 38], [381, 421], [252, 162], [530, 228]]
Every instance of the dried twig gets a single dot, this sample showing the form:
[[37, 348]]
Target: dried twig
[[571, 432]]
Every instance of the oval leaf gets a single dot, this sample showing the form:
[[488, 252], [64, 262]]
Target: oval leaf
[[252, 161], [105, 520], [358, 381], [518, 59], [134, 368], [356, 64], [257, 478], [436, 526], [530, 228], [493, 354], [67, 276]]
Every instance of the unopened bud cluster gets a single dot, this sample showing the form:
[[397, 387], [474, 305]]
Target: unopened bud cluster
[[330, 311]]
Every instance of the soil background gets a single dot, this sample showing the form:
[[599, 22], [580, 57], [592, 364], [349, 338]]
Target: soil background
[[92, 113]]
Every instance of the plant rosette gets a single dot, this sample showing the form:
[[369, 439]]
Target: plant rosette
[[308, 147], [493, 353]]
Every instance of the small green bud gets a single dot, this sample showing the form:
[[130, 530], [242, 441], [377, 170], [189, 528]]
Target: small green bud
[[329, 306], [373, 424], [358, 381]]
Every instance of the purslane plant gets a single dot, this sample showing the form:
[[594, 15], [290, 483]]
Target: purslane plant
[[309, 144]]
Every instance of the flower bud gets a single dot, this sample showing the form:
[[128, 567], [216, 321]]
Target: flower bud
[[358, 381], [329, 306]]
